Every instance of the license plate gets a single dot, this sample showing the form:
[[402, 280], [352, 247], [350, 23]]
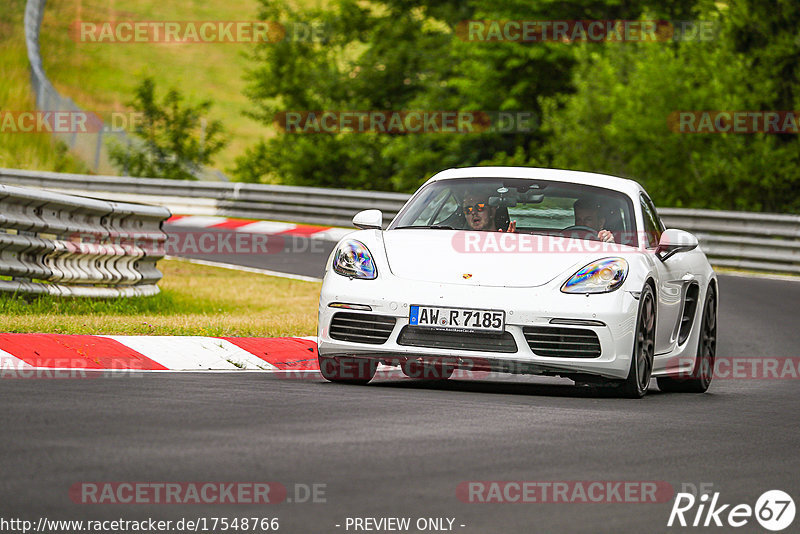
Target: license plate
[[463, 319]]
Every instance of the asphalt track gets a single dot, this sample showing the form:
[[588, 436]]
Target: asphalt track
[[291, 254], [400, 448]]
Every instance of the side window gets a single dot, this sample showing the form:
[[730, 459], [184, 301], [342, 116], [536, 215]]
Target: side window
[[436, 209], [653, 209], [652, 224], [448, 209]]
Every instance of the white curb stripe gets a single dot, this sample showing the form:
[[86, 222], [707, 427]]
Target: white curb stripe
[[332, 234], [189, 353], [9, 362], [266, 227], [203, 221]]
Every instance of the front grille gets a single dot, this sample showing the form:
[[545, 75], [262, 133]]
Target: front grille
[[361, 327], [415, 336], [562, 342]]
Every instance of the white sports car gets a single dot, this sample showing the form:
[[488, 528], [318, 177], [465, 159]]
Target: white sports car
[[522, 270]]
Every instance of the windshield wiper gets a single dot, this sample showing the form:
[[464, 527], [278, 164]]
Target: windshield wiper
[[431, 227]]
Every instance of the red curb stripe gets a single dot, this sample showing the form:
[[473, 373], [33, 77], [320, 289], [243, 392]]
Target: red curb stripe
[[74, 352], [282, 352], [233, 223], [175, 218], [305, 230]]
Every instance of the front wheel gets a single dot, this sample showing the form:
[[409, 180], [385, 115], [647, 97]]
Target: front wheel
[[703, 371], [347, 370], [638, 381]]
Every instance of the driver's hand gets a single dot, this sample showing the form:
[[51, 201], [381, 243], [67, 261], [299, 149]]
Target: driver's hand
[[512, 227], [605, 235]]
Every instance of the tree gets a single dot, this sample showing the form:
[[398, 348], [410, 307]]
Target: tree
[[402, 55], [171, 140], [618, 119]]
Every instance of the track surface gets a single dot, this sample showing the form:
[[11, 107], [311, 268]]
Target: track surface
[[400, 448], [287, 254]]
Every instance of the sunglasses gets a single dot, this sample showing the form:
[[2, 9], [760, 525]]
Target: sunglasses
[[477, 207]]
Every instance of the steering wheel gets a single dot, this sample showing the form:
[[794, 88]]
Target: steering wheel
[[580, 228]]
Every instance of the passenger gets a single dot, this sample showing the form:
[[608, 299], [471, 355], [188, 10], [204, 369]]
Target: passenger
[[588, 213]]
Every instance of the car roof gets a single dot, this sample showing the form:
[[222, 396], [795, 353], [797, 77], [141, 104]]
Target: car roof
[[623, 185]]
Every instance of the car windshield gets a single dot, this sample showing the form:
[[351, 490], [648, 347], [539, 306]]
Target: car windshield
[[538, 207]]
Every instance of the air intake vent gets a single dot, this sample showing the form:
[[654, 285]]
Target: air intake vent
[[442, 339], [562, 342], [687, 317], [361, 327]]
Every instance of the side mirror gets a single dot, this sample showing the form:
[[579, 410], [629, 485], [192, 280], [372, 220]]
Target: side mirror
[[368, 219], [674, 241]]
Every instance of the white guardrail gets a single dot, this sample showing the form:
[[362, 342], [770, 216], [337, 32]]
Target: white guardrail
[[754, 241], [58, 244]]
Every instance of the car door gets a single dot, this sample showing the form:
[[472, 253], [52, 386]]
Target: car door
[[671, 286]]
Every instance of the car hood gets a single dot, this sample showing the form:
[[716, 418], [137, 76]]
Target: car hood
[[488, 258]]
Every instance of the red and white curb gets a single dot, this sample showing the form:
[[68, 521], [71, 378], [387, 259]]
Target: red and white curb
[[325, 233], [21, 352]]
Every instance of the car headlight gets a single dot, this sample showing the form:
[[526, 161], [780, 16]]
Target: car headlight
[[601, 276], [353, 259]]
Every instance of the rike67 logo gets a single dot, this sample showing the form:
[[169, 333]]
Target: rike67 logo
[[774, 510]]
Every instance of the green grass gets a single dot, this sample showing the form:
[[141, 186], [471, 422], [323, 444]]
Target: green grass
[[195, 300], [24, 150], [101, 76], [748, 272]]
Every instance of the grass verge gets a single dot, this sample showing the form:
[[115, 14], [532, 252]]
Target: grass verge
[[18, 149], [101, 76], [195, 300]]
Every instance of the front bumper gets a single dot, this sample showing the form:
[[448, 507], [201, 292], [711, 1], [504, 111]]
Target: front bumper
[[538, 306]]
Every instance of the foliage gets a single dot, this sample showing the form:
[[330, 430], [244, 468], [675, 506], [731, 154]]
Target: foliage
[[618, 119], [603, 107], [175, 142]]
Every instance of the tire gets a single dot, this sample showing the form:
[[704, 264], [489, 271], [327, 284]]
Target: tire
[[427, 371], [637, 383], [345, 370], [703, 372]]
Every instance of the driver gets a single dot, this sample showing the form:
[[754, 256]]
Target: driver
[[587, 213], [481, 216]]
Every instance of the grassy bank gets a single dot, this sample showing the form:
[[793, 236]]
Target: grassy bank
[[24, 150], [195, 300], [101, 76]]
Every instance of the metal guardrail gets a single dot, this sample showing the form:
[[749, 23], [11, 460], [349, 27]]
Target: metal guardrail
[[743, 240], [756, 241], [52, 243], [90, 147], [311, 205]]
